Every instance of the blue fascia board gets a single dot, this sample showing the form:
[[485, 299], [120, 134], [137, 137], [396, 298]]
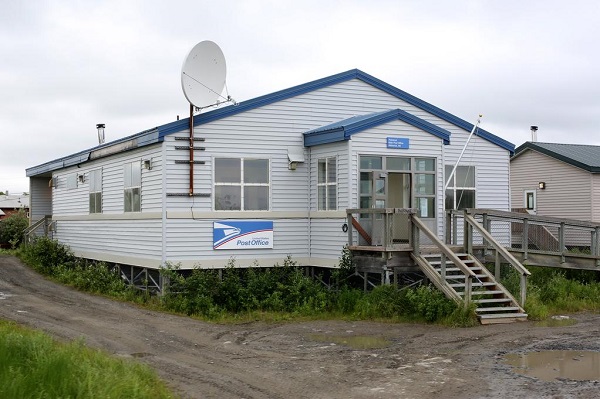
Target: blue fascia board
[[328, 81], [324, 137], [355, 125], [141, 139]]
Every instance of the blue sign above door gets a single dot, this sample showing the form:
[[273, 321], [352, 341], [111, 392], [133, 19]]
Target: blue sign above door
[[397, 142]]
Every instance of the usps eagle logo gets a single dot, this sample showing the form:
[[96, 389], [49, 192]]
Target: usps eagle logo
[[242, 234]]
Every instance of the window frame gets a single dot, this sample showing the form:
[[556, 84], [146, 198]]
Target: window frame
[[95, 177], [131, 186], [452, 186], [326, 184], [242, 184]]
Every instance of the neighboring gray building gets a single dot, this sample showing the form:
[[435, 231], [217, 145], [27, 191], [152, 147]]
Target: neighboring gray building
[[273, 176], [559, 180]]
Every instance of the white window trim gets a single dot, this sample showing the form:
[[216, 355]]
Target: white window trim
[[241, 184], [132, 165], [534, 192], [452, 185], [92, 179], [327, 183]]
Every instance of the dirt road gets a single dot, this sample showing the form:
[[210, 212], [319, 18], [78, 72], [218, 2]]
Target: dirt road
[[299, 360]]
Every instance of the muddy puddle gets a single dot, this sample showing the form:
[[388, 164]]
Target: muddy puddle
[[353, 341], [556, 364]]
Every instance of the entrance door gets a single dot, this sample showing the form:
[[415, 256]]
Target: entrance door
[[373, 194], [398, 196]]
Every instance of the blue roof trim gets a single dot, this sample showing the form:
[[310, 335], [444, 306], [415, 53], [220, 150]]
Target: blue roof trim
[[138, 140], [344, 129], [243, 106]]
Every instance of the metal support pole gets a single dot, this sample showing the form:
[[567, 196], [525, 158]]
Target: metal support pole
[[191, 192]]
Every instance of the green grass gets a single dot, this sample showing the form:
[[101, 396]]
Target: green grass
[[552, 291], [32, 365]]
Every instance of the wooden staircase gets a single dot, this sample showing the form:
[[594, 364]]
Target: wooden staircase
[[494, 303]]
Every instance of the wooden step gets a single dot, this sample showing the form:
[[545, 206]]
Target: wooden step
[[479, 292], [492, 300], [505, 309], [502, 318], [456, 269], [474, 284]]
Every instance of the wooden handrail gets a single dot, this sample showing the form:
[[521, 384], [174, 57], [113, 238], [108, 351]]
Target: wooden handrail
[[503, 251], [517, 216], [443, 247], [363, 233]]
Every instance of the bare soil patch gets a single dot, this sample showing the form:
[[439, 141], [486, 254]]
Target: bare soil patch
[[296, 360]]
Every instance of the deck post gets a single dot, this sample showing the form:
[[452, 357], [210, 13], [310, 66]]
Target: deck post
[[596, 251], [468, 236], [523, 289], [525, 241], [349, 224], [497, 266], [454, 228], [468, 290], [443, 266], [415, 239], [448, 229], [561, 241]]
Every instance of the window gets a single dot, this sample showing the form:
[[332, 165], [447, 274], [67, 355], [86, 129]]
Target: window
[[96, 191], [424, 187], [132, 184], [241, 184], [530, 200], [461, 189], [327, 184], [72, 181]]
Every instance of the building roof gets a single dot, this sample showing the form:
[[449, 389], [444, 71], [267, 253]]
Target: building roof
[[157, 134], [583, 156], [344, 129], [14, 201]]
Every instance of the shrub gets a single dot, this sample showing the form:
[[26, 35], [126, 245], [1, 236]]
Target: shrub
[[12, 228], [44, 254]]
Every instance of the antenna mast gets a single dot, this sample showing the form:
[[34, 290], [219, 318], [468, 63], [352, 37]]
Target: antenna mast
[[462, 152]]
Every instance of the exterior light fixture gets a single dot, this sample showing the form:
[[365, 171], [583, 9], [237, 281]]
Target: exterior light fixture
[[292, 165], [81, 178], [542, 185], [147, 164]]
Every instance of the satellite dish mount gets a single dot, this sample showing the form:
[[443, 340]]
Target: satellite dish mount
[[202, 80]]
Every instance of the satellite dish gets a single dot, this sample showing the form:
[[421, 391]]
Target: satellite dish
[[203, 74]]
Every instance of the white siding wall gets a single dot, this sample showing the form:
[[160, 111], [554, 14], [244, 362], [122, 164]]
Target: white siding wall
[[113, 235], [421, 144], [40, 199], [568, 190], [265, 132], [326, 236]]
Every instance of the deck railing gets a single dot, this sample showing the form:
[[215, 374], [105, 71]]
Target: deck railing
[[530, 235], [30, 231], [380, 227]]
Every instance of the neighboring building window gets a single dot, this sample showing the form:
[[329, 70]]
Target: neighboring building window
[[461, 189], [530, 200], [327, 184], [96, 191], [241, 184], [132, 173]]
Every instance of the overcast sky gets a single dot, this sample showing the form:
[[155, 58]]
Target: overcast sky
[[67, 65]]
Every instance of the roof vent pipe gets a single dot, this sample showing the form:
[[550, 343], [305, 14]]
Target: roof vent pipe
[[534, 134], [100, 127]]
